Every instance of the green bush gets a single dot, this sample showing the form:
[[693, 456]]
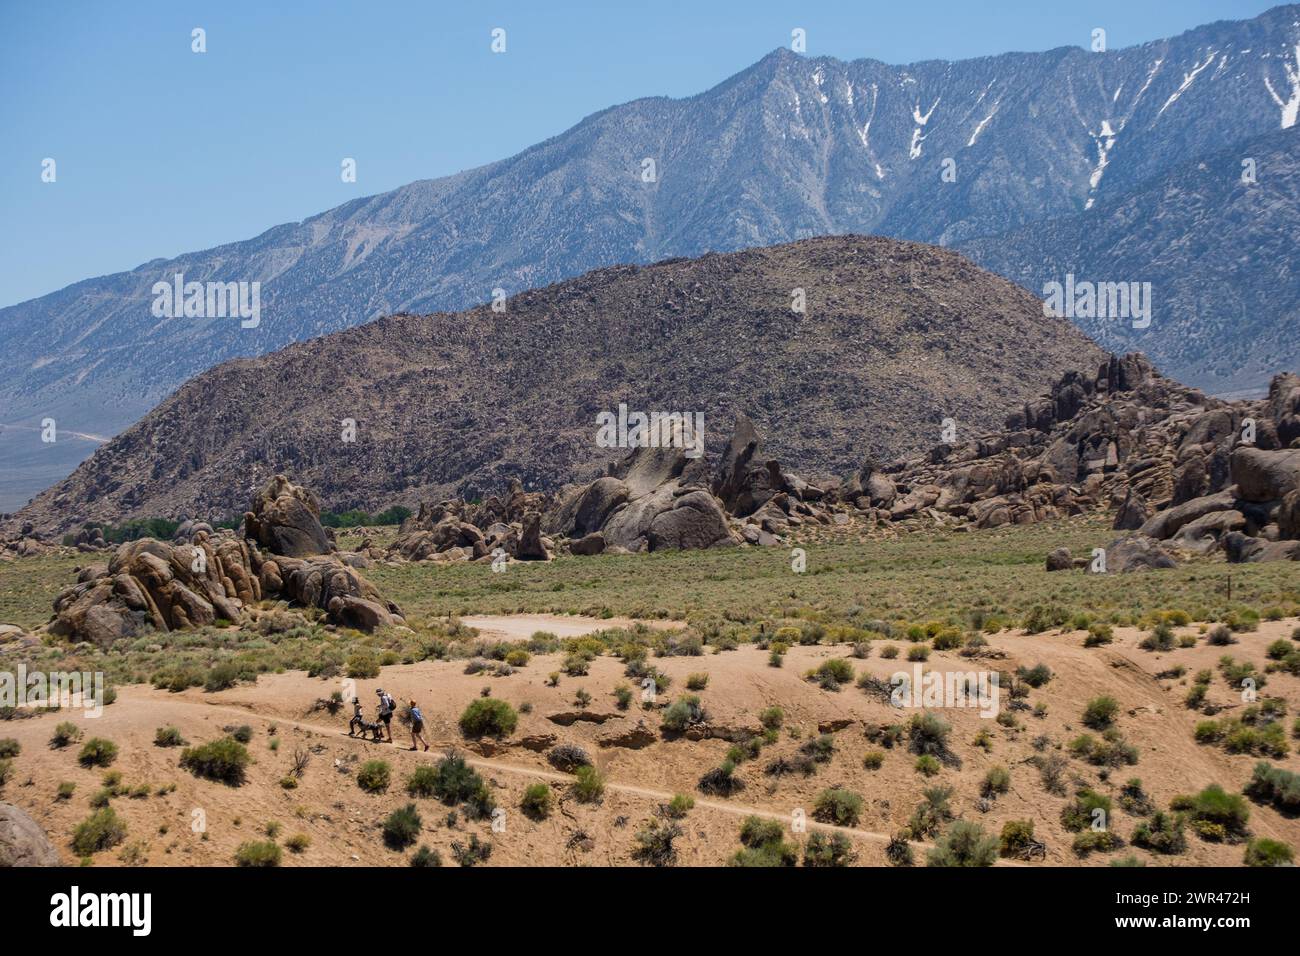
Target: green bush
[[763, 845], [64, 734], [686, 711], [9, 747], [963, 844], [928, 734], [838, 806], [654, 843], [362, 665], [424, 857], [374, 776], [697, 681], [258, 853], [1100, 841], [1100, 712], [772, 717], [1214, 810], [1281, 788], [997, 780], [488, 717], [298, 843], [97, 752], [225, 760], [402, 827], [536, 802], [828, 849], [168, 737], [1265, 852], [1016, 836], [588, 784], [874, 760], [1078, 815], [102, 830], [1163, 833], [680, 805]]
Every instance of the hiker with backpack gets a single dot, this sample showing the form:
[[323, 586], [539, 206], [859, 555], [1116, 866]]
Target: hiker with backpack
[[417, 726], [386, 707]]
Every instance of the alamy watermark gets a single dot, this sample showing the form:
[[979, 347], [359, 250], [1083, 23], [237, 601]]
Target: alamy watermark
[[66, 690], [934, 690], [1083, 299], [208, 300], [624, 429]]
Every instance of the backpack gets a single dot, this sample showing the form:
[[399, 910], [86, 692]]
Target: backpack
[[386, 704]]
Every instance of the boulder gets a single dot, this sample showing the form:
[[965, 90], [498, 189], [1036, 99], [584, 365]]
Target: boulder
[[1166, 523], [1060, 560], [285, 520], [1265, 475], [1136, 552], [1133, 513], [696, 520], [22, 841], [589, 544]]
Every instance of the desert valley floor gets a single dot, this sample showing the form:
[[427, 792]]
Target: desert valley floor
[[709, 621]]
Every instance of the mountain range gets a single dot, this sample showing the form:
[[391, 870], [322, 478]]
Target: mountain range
[[1027, 161], [895, 342]]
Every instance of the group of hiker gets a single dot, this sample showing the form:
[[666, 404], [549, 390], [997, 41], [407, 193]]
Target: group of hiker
[[387, 707]]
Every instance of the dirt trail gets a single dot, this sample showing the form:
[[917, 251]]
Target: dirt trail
[[523, 626]]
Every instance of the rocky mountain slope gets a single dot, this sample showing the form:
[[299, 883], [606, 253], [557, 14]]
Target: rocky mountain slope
[[1219, 252], [897, 337], [789, 148]]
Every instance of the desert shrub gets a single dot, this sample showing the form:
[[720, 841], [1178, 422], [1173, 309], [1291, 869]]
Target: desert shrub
[[536, 802], [1281, 788], [402, 827], [928, 734], [697, 681], [623, 696], [1079, 814], [568, 757], [225, 759], [1163, 833], [1278, 649], [66, 789], [1099, 634], [243, 733], [576, 665], [1161, 638], [886, 735], [361, 666], [927, 765], [9, 748], [833, 673], [1016, 837], [374, 776], [1220, 636], [102, 830], [680, 805], [997, 780], [1099, 841], [168, 737], [819, 749], [224, 675], [64, 734], [918, 653], [454, 781], [1133, 799], [97, 752], [298, 843], [588, 785], [1214, 813], [258, 853], [518, 657], [488, 717], [898, 851], [686, 711], [1262, 851], [828, 849], [963, 844], [1196, 696], [873, 760], [763, 845], [654, 843], [472, 853], [423, 781], [838, 806], [949, 639], [889, 652], [721, 780], [1036, 676], [772, 717], [425, 857], [1100, 712], [931, 813]]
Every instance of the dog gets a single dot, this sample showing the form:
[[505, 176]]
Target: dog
[[359, 723]]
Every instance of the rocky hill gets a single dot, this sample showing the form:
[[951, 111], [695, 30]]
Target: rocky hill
[[791, 147], [896, 338]]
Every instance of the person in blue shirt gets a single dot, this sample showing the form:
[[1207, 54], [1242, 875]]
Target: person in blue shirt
[[417, 726]]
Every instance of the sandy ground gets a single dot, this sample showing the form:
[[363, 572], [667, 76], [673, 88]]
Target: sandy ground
[[642, 773], [522, 626]]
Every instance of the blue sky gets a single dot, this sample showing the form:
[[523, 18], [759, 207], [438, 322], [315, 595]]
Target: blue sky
[[161, 151]]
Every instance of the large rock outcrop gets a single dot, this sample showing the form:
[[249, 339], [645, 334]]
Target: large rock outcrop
[[150, 584], [22, 841]]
